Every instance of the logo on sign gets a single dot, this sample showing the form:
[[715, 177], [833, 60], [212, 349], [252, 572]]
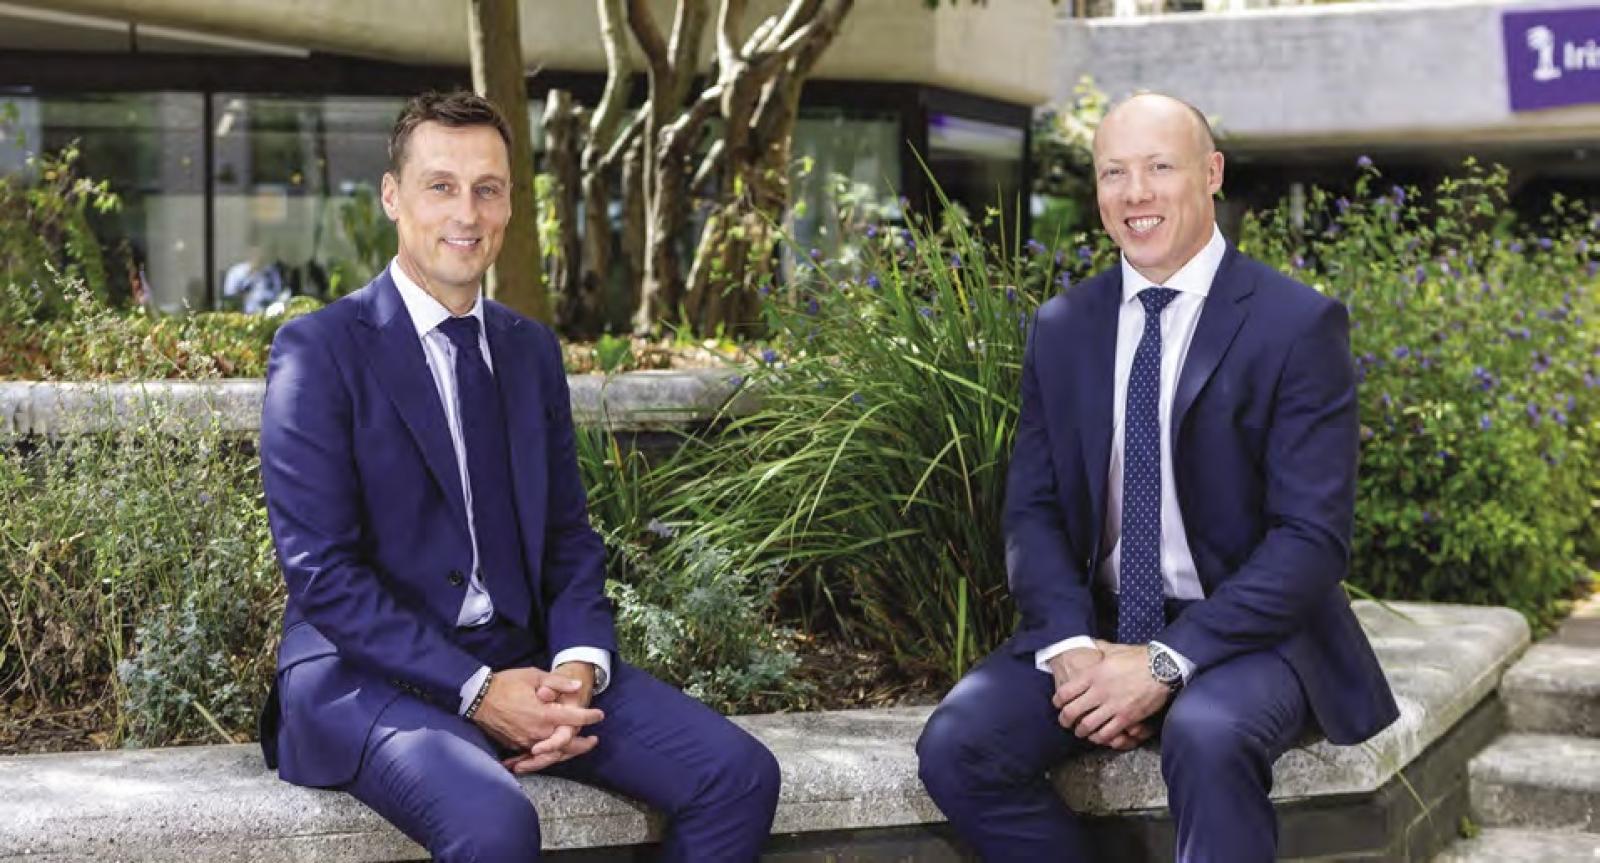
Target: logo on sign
[[1543, 43], [1551, 56]]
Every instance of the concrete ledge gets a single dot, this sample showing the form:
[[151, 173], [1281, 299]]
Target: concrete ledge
[[634, 401], [848, 770]]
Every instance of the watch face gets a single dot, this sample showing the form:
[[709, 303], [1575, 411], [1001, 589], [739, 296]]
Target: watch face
[[1163, 668]]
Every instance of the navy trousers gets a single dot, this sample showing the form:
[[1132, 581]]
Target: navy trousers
[[986, 752], [439, 779]]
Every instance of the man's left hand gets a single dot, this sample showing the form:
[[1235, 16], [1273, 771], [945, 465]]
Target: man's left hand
[[565, 742], [1116, 693]]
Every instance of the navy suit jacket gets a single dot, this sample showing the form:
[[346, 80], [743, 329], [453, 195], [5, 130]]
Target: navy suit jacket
[[1264, 446], [365, 504]]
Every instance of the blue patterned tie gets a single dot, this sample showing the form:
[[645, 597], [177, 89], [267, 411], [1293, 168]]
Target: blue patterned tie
[[483, 430], [1139, 594]]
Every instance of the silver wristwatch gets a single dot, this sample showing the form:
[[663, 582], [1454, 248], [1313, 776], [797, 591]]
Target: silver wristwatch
[[1165, 669]]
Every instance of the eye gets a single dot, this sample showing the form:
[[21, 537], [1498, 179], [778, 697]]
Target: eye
[[441, 188], [488, 192], [1163, 166], [1111, 172]]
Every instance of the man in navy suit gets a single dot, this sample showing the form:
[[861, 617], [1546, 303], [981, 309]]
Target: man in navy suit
[[445, 627], [1178, 516]]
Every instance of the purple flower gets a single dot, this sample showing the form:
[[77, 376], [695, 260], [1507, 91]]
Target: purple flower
[[1364, 162], [1298, 262], [858, 399], [769, 356], [736, 380], [1064, 280], [1011, 295], [1402, 352], [1061, 257], [873, 283], [1034, 247], [1533, 413], [1541, 362], [1387, 401], [812, 306], [955, 261], [1546, 243], [925, 311], [1420, 274], [1343, 204], [1484, 422], [1594, 267], [1366, 433], [1085, 254], [1516, 247], [815, 254], [1590, 381], [872, 232], [1399, 196], [1558, 416], [1427, 515], [205, 498]]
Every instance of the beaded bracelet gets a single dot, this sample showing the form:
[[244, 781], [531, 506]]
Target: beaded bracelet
[[477, 700]]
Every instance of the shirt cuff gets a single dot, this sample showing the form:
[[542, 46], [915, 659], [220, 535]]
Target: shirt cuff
[[600, 659], [469, 690], [1042, 657], [1185, 667]]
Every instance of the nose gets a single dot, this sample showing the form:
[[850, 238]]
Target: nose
[[1137, 189], [465, 209]]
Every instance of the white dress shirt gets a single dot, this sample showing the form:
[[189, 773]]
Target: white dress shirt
[[477, 608], [1179, 578]]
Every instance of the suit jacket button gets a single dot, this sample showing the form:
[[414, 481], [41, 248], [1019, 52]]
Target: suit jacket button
[[456, 578]]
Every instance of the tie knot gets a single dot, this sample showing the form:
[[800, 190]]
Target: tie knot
[[1156, 299], [462, 332]]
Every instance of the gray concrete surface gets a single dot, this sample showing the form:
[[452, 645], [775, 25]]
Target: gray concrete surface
[[1506, 845], [842, 770], [1538, 780], [634, 401], [1555, 689]]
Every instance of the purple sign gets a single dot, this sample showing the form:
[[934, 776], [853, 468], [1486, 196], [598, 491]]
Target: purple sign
[[1552, 57]]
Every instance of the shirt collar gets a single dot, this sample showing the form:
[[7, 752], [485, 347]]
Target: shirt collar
[[426, 312], [1194, 277]]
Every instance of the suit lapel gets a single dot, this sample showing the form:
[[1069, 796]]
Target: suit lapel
[[395, 355], [1096, 377], [1220, 318]]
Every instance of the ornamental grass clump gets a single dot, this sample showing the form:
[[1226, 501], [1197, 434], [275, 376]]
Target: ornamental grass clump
[[1477, 344], [873, 473]]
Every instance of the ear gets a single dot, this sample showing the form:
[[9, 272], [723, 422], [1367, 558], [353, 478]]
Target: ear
[[1214, 172], [390, 196]]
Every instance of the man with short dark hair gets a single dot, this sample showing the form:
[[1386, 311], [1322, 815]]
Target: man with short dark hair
[[418, 459], [1178, 516]]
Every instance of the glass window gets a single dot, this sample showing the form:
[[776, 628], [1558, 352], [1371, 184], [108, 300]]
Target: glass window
[[842, 158], [149, 147], [977, 163], [297, 180]]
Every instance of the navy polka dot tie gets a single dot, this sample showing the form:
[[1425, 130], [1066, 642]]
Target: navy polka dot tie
[[1139, 595]]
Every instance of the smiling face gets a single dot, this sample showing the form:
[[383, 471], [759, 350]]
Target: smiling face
[[450, 202], [1155, 175]]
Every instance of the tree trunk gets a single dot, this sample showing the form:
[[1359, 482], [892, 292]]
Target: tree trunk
[[761, 81], [633, 218], [495, 34], [577, 312], [671, 69]]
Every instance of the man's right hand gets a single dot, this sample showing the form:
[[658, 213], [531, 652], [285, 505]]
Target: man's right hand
[[1068, 665], [515, 714]]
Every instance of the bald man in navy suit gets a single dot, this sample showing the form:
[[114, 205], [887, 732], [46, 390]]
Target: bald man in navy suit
[[1177, 518]]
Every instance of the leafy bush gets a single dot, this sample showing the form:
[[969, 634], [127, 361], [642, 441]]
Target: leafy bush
[[44, 226], [1480, 396], [138, 579], [694, 619]]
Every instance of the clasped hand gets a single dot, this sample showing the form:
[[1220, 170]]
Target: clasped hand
[[540, 714], [1107, 694]]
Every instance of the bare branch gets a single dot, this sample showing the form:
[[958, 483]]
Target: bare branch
[[798, 13], [709, 165], [623, 142], [619, 71], [644, 28]]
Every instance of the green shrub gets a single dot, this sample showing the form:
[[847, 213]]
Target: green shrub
[[138, 579], [44, 227], [1477, 346]]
